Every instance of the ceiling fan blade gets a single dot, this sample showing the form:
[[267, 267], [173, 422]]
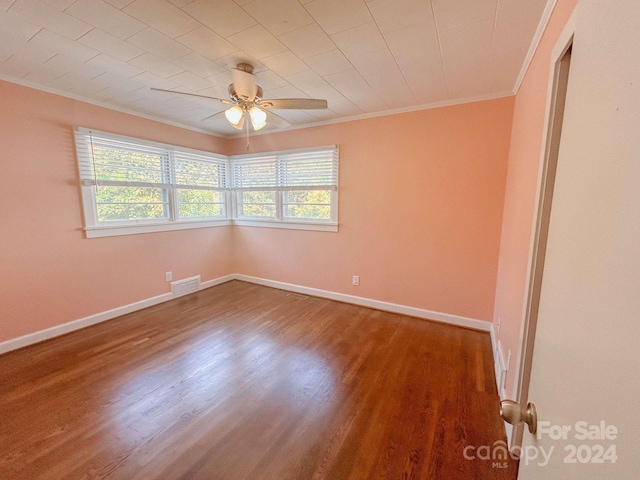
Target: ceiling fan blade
[[276, 121], [213, 115], [221, 100], [294, 103], [244, 84]]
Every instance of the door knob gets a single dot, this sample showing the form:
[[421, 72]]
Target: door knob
[[511, 412]]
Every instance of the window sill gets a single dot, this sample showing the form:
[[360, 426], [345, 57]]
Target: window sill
[[321, 227], [116, 230]]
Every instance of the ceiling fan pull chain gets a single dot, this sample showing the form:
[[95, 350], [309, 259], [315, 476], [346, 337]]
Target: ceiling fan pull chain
[[247, 125]]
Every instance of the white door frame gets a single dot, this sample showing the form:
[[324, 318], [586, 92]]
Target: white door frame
[[537, 247]]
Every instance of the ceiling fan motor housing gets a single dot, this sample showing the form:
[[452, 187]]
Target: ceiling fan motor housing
[[243, 99], [245, 67]]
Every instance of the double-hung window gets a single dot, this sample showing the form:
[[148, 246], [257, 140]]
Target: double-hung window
[[289, 189], [134, 186]]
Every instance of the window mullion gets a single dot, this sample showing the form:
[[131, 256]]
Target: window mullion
[[232, 203], [229, 192], [171, 191], [279, 204], [333, 209], [278, 194]]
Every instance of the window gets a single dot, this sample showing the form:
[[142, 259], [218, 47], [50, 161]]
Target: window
[[292, 188], [200, 185], [134, 186]]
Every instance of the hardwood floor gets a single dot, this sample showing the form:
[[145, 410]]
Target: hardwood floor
[[246, 382]]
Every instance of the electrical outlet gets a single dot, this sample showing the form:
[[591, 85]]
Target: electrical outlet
[[168, 276], [356, 280]]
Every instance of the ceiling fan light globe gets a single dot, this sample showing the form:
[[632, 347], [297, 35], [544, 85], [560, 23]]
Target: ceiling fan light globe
[[258, 116], [238, 126], [235, 116], [258, 126]]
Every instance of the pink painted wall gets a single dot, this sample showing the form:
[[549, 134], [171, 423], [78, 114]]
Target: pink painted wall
[[51, 274], [524, 163], [421, 202], [420, 210]]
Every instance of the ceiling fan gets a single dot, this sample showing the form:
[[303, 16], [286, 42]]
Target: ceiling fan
[[245, 96]]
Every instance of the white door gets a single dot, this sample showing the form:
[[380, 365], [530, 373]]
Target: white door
[[585, 377]]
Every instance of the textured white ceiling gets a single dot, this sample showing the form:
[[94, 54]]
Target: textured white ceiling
[[364, 56]]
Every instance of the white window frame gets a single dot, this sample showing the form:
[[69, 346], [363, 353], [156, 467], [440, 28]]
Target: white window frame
[[94, 228], [280, 187]]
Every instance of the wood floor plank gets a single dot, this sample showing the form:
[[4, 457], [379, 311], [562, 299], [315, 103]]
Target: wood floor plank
[[241, 381]]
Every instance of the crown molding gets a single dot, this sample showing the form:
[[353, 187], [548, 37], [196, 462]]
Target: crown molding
[[385, 113], [542, 26]]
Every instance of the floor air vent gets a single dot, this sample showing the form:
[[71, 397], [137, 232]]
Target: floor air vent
[[297, 295], [185, 286]]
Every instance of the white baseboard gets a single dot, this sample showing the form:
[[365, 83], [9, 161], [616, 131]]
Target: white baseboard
[[376, 304], [58, 330], [217, 281], [496, 361]]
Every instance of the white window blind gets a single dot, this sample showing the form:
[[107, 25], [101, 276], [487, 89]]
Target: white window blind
[[250, 173], [312, 169], [106, 159], [193, 170], [291, 170]]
